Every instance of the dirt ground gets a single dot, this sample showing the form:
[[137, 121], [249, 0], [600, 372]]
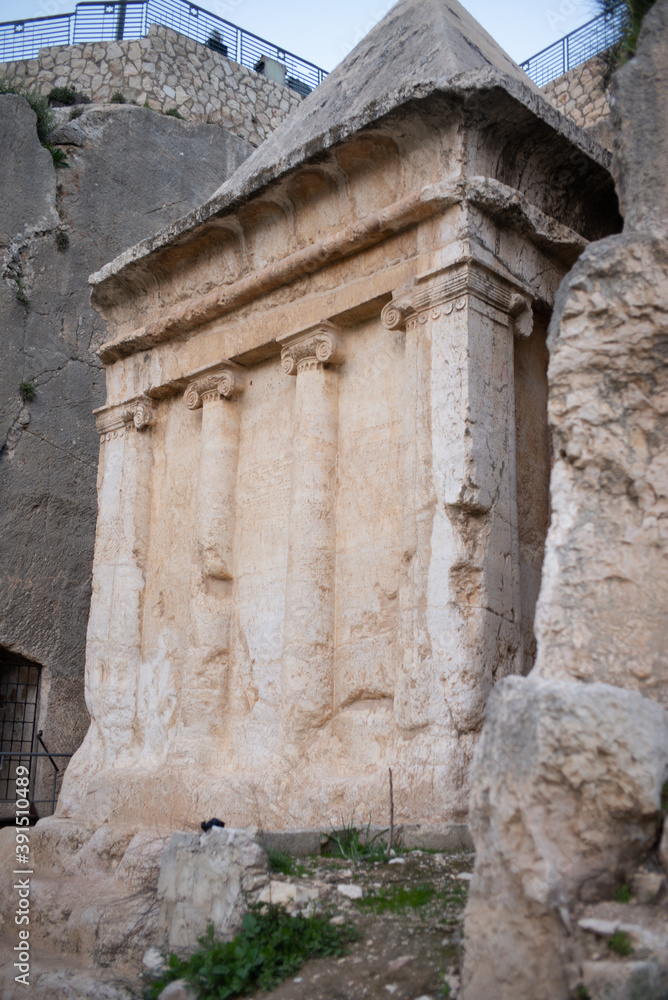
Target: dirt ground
[[409, 919]]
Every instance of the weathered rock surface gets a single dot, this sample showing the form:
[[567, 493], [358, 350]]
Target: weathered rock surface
[[587, 765], [130, 172], [601, 614], [583, 802], [208, 878]]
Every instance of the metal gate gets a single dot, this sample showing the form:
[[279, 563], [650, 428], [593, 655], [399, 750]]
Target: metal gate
[[19, 697]]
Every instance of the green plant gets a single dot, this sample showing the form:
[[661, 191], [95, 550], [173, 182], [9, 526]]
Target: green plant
[[146, 104], [272, 945], [39, 104], [623, 894], [634, 12], [62, 95], [57, 155], [76, 112], [398, 897], [283, 863], [20, 294], [117, 98], [444, 990], [27, 392], [346, 843], [620, 943], [581, 993], [62, 239], [174, 112]]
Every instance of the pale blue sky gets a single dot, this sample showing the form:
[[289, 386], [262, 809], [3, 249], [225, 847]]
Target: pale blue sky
[[325, 33]]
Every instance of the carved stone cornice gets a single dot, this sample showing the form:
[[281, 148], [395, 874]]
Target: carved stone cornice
[[310, 349], [220, 384], [114, 421], [448, 291]]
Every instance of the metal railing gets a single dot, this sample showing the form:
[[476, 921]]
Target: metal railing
[[36, 785], [99, 22], [580, 45]]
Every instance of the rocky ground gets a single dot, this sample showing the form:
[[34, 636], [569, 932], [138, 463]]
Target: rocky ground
[[408, 913]]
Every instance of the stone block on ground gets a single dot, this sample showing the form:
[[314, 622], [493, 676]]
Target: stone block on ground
[[208, 878]]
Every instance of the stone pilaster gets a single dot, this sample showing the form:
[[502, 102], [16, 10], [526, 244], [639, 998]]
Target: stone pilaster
[[308, 646], [217, 472], [114, 642], [460, 613], [205, 690]]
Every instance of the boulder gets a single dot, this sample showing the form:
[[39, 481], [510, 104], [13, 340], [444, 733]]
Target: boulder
[[566, 798]]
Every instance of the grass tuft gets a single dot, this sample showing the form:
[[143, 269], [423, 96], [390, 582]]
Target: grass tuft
[[117, 98], [283, 863], [623, 895], [398, 897], [620, 943], [346, 843], [27, 392]]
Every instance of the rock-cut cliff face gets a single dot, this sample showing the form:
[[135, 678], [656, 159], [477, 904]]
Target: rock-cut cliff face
[[131, 172]]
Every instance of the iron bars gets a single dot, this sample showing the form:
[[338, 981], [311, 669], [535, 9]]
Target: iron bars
[[580, 45], [96, 22]]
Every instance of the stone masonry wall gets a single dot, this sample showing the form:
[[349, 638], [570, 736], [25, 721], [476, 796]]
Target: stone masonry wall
[[582, 93], [168, 70]]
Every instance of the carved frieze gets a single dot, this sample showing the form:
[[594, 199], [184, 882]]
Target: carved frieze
[[317, 347]]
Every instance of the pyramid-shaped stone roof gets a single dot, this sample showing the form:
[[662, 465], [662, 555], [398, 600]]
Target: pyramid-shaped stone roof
[[419, 48]]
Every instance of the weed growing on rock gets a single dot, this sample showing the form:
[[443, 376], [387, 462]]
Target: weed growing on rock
[[62, 240], [76, 112], [58, 155], [271, 946], [117, 98], [174, 113], [623, 894], [346, 843], [283, 863], [620, 943], [65, 96], [27, 392], [21, 295], [39, 104]]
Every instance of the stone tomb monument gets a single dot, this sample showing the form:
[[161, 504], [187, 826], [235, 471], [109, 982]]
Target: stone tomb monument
[[323, 480]]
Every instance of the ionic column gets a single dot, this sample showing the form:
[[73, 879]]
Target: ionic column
[[212, 567], [460, 613], [114, 641], [307, 675]]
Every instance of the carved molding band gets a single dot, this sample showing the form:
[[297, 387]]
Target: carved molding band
[[219, 385], [448, 291], [312, 351]]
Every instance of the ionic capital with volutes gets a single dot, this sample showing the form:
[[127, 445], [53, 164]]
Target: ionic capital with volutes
[[222, 383], [114, 421], [311, 349]]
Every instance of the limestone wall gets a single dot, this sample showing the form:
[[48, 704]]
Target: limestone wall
[[582, 93], [168, 70], [125, 178]]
